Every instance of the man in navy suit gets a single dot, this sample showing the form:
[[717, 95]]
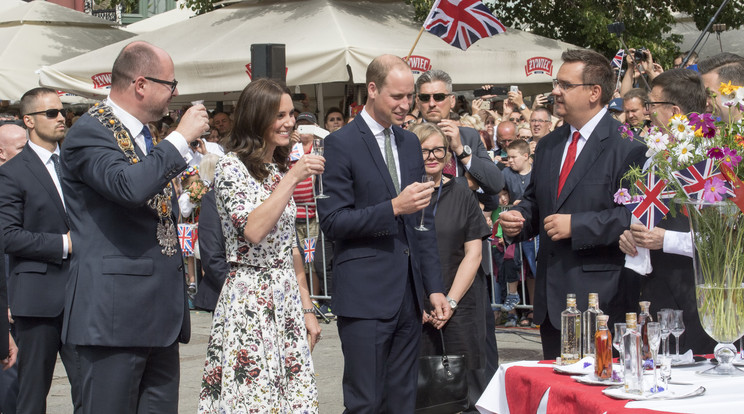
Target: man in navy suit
[[36, 237], [570, 203], [213, 257], [383, 268], [126, 306]]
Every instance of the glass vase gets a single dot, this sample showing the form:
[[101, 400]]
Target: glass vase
[[718, 238]]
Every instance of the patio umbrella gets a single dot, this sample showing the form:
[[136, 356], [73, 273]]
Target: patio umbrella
[[40, 33], [326, 41]]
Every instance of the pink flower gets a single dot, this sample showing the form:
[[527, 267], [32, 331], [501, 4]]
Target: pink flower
[[622, 196], [704, 122], [730, 158], [715, 153], [713, 190], [625, 131]]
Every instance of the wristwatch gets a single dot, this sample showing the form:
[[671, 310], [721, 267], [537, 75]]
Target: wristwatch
[[466, 152], [522, 107], [452, 302]]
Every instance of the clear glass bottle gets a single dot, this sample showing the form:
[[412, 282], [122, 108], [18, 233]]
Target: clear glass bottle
[[570, 332], [589, 325], [633, 370], [603, 347], [644, 317]]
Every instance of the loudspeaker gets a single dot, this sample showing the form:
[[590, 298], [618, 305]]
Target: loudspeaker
[[268, 60]]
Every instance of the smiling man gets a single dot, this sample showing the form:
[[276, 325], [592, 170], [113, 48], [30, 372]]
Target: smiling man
[[569, 202], [383, 268]]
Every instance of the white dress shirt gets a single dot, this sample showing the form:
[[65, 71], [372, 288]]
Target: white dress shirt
[[377, 129], [586, 132]]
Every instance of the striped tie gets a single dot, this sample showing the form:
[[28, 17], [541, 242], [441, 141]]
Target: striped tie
[[390, 159]]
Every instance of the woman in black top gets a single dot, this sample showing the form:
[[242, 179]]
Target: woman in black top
[[461, 228]]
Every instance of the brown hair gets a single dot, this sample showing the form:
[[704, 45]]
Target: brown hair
[[31, 96], [135, 59], [255, 115], [425, 130], [520, 145], [597, 70]]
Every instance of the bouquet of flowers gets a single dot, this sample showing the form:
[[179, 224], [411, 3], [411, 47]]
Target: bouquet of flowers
[[196, 191], [697, 161]]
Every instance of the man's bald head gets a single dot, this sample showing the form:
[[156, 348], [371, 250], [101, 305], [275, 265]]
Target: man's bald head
[[506, 133], [380, 67], [12, 141], [136, 59]]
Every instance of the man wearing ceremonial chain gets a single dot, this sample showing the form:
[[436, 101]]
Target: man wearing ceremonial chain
[[126, 308]]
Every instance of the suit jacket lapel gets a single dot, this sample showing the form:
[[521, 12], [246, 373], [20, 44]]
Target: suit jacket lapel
[[374, 149], [403, 162], [588, 156], [555, 165], [38, 169], [137, 149]]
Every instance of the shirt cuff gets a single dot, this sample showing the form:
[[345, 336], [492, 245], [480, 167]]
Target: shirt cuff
[[180, 143], [676, 242], [470, 162], [65, 247]]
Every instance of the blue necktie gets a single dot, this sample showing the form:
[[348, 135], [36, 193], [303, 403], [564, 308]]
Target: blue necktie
[[148, 138]]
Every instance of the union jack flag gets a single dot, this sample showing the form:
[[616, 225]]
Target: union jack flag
[[693, 178], [187, 238], [297, 152], [462, 22], [308, 248], [655, 203], [617, 61]]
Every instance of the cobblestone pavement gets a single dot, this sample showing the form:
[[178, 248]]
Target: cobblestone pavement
[[514, 344]]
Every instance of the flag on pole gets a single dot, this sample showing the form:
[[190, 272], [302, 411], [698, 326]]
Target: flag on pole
[[617, 61], [462, 22], [308, 248]]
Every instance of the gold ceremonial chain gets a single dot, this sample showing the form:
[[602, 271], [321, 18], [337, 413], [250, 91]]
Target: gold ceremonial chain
[[161, 202]]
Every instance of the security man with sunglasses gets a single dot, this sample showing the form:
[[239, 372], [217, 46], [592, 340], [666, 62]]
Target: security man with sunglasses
[[435, 101], [36, 235]]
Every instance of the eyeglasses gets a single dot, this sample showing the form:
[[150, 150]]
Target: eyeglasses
[[565, 86], [50, 113], [439, 152], [405, 124], [539, 121], [652, 103], [172, 83], [438, 97], [516, 119]]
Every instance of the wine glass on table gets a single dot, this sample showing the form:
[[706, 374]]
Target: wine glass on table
[[318, 145], [654, 337], [424, 179], [677, 328], [617, 343], [664, 318]]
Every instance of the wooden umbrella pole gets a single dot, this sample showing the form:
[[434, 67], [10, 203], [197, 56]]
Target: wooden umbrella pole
[[415, 43]]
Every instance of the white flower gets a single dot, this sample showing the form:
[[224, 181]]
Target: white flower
[[656, 142], [680, 127], [684, 151]]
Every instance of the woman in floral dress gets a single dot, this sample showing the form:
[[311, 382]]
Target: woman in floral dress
[[258, 357]]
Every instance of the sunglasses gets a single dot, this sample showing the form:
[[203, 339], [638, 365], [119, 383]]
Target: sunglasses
[[172, 83], [50, 113], [438, 97]]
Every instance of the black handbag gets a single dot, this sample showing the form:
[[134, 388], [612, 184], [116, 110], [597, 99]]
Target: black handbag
[[442, 383]]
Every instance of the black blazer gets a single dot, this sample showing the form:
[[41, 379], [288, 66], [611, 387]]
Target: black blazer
[[482, 168], [212, 250], [33, 220], [591, 260], [4, 325], [124, 292], [373, 248]]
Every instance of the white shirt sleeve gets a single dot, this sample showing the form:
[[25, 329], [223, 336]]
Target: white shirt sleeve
[[65, 247], [180, 143], [676, 242], [185, 204]]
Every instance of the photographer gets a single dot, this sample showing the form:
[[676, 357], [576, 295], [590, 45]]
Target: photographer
[[640, 62]]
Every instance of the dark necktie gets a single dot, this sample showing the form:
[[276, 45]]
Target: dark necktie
[[390, 159], [148, 138], [568, 162], [57, 169]]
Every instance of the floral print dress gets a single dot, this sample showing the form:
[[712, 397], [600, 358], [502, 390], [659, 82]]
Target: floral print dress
[[258, 357]]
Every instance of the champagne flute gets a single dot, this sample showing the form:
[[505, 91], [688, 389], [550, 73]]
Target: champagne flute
[[424, 179], [677, 328], [664, 317], [654, 337], [318, 144], [617, 343]]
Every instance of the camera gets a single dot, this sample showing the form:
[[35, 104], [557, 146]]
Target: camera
[[494, 90], [551, 100], [640, 54], [195, 143], [616, 28]]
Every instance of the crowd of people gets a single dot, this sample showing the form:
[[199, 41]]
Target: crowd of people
[[435, 211]]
